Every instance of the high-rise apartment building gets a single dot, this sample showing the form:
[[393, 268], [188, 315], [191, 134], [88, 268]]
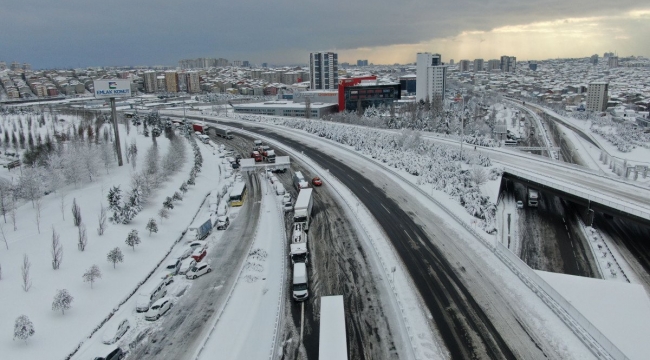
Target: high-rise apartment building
[[612, 61], [597, 96], [463, 66], [431, 76], [362, 62], [594, 59], [150, 85], [493, 64], [171, 81], [324, 70], [508, 63], [478, 65], [192, 80]]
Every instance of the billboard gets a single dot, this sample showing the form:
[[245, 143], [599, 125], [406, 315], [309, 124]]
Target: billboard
[[112, 88]]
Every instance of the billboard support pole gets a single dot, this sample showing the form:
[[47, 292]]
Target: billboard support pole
[[118, 146]]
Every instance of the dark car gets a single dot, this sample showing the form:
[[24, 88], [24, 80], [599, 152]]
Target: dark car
[[114, 355]]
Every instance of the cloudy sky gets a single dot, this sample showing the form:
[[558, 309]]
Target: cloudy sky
[[75, 33]]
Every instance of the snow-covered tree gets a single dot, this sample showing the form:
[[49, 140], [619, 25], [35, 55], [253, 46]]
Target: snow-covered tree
[[92, 274], [101, 218], [62, 301], [115, 204], [152, 226], [168, 203], [23, 328], [82, 239], [163, 214], [76, 213], [177, 196], [133, 239], [24, 269], [115, 256], [479, 175], [183, 187], [56, 250]]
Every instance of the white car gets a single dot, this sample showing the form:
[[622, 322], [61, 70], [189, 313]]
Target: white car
[[288, 206], [198, 244], [167, 277], [273, 179], [172, 266], [115, 331], [520, 204], [286, 198], [158, 309], [198, 270], [186, 265]]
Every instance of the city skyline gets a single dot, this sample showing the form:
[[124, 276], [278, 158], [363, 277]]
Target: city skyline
[[149, 36]]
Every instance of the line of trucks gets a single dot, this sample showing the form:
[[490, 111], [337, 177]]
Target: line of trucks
[[262, 152], [203, 130], [299, 253]]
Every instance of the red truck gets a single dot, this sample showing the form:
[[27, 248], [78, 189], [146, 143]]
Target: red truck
[[256, 155], [198, 127]]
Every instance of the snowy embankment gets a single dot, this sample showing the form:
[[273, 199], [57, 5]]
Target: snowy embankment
[[252, 314], [91, 304]]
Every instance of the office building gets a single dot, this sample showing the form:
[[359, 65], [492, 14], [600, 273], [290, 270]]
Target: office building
[[192, 81], [463, 66], [362, 62], [171, 81], [431, 80], [597, 96], [508, 63], [246, 63], [369, 93], [286, 108], [150, 84], [478, 65], [324, 70], [408, 83]]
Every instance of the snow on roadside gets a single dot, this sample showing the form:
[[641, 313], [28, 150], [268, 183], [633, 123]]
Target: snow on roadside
[[90, 306], [251, 314]]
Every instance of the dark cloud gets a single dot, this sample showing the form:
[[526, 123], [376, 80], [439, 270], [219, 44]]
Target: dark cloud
[[119, 32]]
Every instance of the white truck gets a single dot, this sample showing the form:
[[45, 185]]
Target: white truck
[[299, 181], [300, 282], [302, 207], [533, 197], [298, 247]]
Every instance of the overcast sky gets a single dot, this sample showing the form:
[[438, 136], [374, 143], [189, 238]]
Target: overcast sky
[[79, 33]]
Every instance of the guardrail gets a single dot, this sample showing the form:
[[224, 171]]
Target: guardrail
[[598, 344], [279, 315]]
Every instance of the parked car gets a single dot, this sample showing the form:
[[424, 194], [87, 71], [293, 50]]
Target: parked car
[[187, 253], [113, 355], [223, 222], [198, 244], [235, 165], [286, 198], [198, 270], [186, 265], [288, 206], [114, 331], [140, 337], [316, 181], [199, 254], [167, 277], [273, 179], [172, 266], [158, 309], [520, 204]]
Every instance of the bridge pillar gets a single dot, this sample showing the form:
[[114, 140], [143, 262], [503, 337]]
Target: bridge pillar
[[589, 217]]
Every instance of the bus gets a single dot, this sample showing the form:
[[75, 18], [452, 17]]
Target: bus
[[332, 344], [238, 194]]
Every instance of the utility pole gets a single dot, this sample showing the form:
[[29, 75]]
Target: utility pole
[[118, 146]]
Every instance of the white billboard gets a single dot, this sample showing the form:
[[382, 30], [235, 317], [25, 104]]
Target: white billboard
[[112, 88]]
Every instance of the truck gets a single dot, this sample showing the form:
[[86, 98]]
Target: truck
[[299, 181], [256, 155], [257, 144], [533, 197], [302, 208], [199, 128], [270, 156], [298, 247], [223, 133], [200, 232]]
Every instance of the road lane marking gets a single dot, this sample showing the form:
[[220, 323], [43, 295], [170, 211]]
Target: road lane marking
[[382, 205], [302, 319]]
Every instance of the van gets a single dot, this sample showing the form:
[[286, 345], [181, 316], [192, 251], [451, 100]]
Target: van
[[279, 188], [300, 285], [149, 293]]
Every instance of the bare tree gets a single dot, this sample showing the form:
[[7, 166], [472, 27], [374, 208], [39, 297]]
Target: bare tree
[[102, 220], [63, 206], [4, 201], [27, 281], [76, 213], [479, 175], [163, 214], [2, 232], [12, 213], [115, 256], [56, 250], [83, 238], [62, 301], [92, 274], [39, 204], [307, 107]]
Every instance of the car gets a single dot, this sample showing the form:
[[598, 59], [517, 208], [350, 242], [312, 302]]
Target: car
[[198, 244], [288, 206], [223, 222], [158, 309], [520, 204], [114, 331], [167, 277], [316, 181], [273, 179], [286, 198], [199, 254], [187, 253], [238, 177], [198, 270], [172, 266], [186, 265], [235, 166], [113, 355], [140, 337]]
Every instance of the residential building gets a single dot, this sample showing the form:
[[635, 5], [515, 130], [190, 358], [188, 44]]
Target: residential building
[[612, 61], [594, 59], [431, 80], [324, 70], [171, 81], [478, 65], [532, 66], [463, 66], [597, 96], [493, 65], [508, 63], [150, 84], [362, 62], [192, 80]]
